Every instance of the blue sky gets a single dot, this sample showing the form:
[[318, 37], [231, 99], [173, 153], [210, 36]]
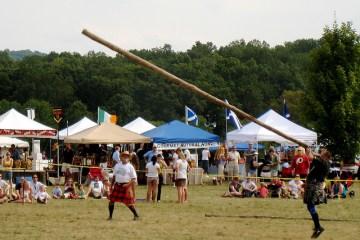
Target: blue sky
[[55, 25]]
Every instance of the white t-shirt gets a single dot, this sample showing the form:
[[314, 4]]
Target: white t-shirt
[[152, 169], [35, 187], [42, 196], [124, 172], [248, 185], [3, 184], [182, 169], [96, 187], [205, 154], [294, 187], [116, 156], [187, 155]]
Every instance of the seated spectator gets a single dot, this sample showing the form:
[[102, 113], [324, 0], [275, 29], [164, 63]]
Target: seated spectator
[[234, 189], [295, 187], [337, 189], [275, 188], [42, 196], [107, 186], [81, 192], [69, 189], [23, 192], [4, 185], [96, 189], [263, 191], [57, 192], [35, 185], [248, 188], [3, 196]]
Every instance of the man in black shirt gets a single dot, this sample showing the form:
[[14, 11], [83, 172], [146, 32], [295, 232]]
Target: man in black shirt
[[68, 154], [314, 192]]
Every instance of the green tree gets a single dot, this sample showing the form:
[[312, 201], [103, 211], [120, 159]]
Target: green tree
[[43, 111], [333, 97], [76, 111]]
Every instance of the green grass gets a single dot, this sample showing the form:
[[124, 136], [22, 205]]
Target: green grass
[[86, 219]]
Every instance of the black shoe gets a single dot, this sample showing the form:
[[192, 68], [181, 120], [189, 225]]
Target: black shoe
[[317, 232], [136, 218], [109, 218]]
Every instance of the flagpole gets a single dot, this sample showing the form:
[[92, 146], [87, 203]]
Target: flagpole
[[226, 124]]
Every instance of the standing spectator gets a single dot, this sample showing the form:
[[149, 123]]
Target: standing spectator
[[68, 154], [300, 163], [221, 165], [7, 163], [116, 155], [251, 163], [134, 160], [295, 187], [249, 158], [187, 155], [152, 173], [121, 187], [314, 193], [42, 196], [96, 189], [107, 186], [275, 162], [248, 188], [35, 185], [175, 158], [149, 154], [242, 169], [233, 162], [163, 165], [205, 155], [15, 153], [182, 168]]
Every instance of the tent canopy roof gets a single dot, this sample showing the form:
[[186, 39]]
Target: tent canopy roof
[[106, 133], [13, 123], [179, 132], [252, 132], [79, 126], [139, 125], [7, 141]]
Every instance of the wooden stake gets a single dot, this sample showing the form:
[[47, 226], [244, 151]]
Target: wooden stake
[[174, 79]]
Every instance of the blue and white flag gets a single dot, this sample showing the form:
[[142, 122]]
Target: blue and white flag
[[231, 116], [286, 113], [190, 116]]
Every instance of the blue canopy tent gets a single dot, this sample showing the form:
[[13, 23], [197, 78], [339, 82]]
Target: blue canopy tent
[[178, 134]]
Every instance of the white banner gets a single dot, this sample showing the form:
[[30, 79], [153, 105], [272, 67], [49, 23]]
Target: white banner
[[168, 146]]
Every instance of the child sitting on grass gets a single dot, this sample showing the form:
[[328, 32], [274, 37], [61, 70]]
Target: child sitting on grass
[[263, 191], [42, 196], [57, 192], [3, 197]]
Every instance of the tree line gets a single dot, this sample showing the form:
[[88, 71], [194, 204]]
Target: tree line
[[251, 75]]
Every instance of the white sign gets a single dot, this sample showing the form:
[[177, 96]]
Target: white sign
[[167, 146]]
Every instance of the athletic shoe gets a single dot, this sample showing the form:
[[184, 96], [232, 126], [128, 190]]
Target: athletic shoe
[[317, 232], [136, 218]]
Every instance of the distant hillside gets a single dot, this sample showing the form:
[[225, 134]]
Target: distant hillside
[[19, 55]]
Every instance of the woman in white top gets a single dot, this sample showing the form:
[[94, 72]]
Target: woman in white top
[[182, 168], [152, 173]]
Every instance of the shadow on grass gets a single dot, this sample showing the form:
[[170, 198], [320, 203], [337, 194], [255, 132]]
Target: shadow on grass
[[278, 217]]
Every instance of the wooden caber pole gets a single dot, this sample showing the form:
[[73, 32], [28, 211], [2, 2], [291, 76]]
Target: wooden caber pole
[[186, 85]]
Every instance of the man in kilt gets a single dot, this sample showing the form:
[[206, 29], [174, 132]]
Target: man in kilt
[[122, 185], [314, 189]]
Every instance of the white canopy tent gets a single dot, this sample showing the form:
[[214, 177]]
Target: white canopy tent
[[252, 133], [77, 127], [139, 125], [15, 124], [8, 141]]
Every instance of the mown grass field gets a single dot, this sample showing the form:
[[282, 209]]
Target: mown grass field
[[86, 219]]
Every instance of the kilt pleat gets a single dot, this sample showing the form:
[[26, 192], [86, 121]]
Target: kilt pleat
[[122, 194]]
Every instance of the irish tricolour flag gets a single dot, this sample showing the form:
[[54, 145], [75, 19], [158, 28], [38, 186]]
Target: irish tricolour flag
[[104, 116]]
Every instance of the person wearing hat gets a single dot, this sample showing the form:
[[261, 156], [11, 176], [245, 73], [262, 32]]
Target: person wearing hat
[[122, 186]]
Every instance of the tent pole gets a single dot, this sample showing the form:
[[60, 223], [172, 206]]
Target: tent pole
[[188, 86]]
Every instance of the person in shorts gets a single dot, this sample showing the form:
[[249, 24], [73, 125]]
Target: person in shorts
[[152, 174]]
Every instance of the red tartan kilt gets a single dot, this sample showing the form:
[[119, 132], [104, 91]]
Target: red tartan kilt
[[122, 194]]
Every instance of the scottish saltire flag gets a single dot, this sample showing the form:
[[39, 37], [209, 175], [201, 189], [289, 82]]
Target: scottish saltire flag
[[286, 113], [231, 116], [104, 116], [190, 116]]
